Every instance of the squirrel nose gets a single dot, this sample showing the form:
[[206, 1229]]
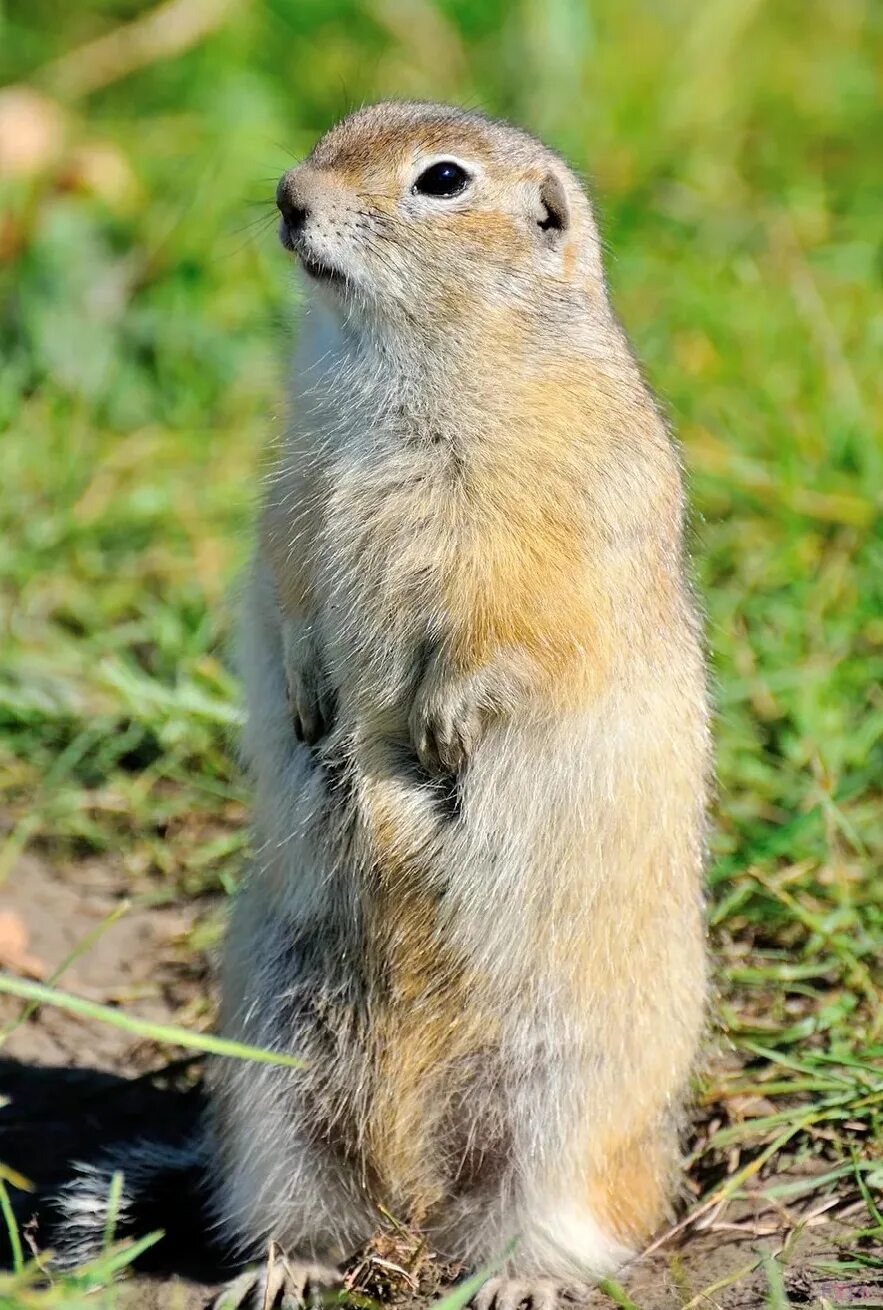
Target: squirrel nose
[[291, 205], [295, 216]]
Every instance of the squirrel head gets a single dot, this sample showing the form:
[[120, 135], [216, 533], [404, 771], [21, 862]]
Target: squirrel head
[[430, 217]]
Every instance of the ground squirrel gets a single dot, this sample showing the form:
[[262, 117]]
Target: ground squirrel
[[478, 731]]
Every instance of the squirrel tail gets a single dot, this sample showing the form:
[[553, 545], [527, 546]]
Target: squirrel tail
[[163, 1189]]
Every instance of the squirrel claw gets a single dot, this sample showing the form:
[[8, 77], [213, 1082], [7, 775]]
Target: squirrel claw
[[312, 705], [444, 731], [312, 702], [312, 715]]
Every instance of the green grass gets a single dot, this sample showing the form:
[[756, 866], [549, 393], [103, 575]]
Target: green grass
[[166, 1034], [29, 1287], [144, 316]]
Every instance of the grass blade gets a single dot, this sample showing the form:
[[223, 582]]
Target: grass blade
[[11, 1228], [158, 1032]]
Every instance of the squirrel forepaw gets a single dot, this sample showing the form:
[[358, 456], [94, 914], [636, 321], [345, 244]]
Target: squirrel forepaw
[[310, 696], [446, 725], [452, 709], [312, 705]]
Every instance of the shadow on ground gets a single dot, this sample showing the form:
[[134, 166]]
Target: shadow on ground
[[56, 1118]]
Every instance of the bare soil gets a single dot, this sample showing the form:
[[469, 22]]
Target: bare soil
[[70, 1087]]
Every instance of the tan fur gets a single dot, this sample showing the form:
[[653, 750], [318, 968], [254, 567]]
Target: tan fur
[[629, 1183], [476, 902]]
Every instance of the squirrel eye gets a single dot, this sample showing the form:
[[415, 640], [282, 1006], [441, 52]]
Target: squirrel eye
[[444, 179]]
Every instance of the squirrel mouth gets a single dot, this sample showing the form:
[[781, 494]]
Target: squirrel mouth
[[318, 269]]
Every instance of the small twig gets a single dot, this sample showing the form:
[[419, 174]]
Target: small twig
[[730, 1226]]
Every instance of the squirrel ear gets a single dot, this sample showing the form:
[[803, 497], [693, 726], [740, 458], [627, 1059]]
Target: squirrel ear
[[553, 217]]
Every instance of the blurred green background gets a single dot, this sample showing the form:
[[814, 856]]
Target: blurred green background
[[734, 147]]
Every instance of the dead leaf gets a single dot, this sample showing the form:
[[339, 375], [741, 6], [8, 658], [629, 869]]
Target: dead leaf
[[14, 954]]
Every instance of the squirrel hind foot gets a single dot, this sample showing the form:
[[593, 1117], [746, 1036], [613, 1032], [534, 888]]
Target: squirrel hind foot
[[279, 1283], [502, 1293]]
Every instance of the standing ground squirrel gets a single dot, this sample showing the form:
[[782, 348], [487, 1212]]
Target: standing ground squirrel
[[478, 732]]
